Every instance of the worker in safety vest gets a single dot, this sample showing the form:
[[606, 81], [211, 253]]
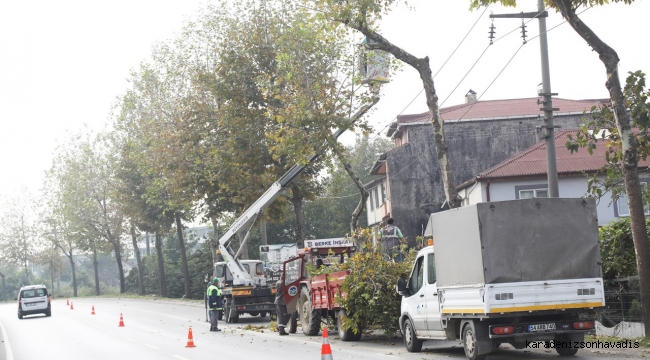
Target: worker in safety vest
[[281, 307], [215, 304], [391, 237]]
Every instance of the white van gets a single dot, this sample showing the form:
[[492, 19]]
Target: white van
[[34, 299]]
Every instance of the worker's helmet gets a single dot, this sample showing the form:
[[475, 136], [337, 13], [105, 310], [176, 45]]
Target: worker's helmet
[[215, 280]]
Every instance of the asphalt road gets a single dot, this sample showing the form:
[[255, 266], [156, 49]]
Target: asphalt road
[[158, 330]]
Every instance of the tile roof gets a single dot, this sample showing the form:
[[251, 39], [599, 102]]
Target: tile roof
[[502, 108], [532, 161]]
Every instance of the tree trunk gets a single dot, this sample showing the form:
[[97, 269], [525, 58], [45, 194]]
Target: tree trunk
[[629, 145], [138, 260], [265, 240], [299, 212], [244, 249], [354, 218], [161, 266], [3, 283], [51, 273], [148, 248], [181, 244], [422, 66], [26, 271], [118, 258], [95, 266], [74, 275], [214, 242], [117, 250]]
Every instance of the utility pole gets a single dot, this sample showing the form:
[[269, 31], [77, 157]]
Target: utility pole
[[549, 127]]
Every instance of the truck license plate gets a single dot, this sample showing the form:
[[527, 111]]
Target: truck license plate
[[541, 327]]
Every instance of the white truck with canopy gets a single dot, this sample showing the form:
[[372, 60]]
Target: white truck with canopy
[[506, 272]]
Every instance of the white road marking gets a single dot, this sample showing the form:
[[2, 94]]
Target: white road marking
[[179, 357], [151, 346], [8, 353]]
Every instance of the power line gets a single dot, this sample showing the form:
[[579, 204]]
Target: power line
[[436, 74], [486, 89], [491, 83], [466, 74]]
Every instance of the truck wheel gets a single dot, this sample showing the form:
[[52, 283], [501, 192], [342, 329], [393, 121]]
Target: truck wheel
[[470, 343], [263, 314], [220, 314], [568, 339], [309, 319], [254, 313], [566, 352], [345, 334], [411, 341], [226, 313], [293, 323]]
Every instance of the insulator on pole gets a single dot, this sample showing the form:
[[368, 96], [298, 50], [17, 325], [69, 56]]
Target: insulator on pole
[[492, 32], [523, 30]]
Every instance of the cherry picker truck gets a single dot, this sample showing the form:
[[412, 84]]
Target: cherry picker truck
[[244, 285]]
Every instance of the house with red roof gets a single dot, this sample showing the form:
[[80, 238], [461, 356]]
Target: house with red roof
[[524, 176], [480, 134]]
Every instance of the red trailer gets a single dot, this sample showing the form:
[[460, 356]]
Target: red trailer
[[314, 300]]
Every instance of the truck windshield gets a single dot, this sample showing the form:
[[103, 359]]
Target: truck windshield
[[417, 277]]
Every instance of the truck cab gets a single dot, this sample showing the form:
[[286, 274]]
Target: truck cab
[[420, 299], [255, 268]]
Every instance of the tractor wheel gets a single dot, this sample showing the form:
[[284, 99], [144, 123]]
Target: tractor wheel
[[309, 319]]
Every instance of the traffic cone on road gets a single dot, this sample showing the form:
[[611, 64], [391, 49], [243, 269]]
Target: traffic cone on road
[[93, 312], [67, 301], [326, 350], [121, 321], [71, 306], [190, 338]]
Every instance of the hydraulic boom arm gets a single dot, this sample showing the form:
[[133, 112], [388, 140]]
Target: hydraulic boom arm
[[248, 217]]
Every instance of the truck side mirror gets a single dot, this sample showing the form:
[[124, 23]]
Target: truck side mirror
[[402, 289]]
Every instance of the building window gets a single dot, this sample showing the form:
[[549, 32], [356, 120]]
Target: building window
[[377, 197], [533, 193], [383, 193], [623, 210], [372, 208]]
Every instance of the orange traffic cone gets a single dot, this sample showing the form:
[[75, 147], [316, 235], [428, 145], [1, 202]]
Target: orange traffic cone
[[326, 350], [71, 306], [121, 321], [67, 301], [93, 312], [190, 338]]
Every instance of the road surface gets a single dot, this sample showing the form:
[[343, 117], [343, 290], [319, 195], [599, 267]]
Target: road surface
[[158, 329]]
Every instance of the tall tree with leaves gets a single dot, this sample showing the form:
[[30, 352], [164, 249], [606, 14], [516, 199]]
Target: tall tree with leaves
[[17, 232], [364, 16], [629, 145]]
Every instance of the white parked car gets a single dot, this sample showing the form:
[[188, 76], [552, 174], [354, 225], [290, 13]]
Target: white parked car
[[34, 299]]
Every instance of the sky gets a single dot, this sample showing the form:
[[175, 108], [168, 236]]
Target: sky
[[64, 63]]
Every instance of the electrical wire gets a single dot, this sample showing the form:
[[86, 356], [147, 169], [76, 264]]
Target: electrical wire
[[436, 74], [472, 105], [491, 83]]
